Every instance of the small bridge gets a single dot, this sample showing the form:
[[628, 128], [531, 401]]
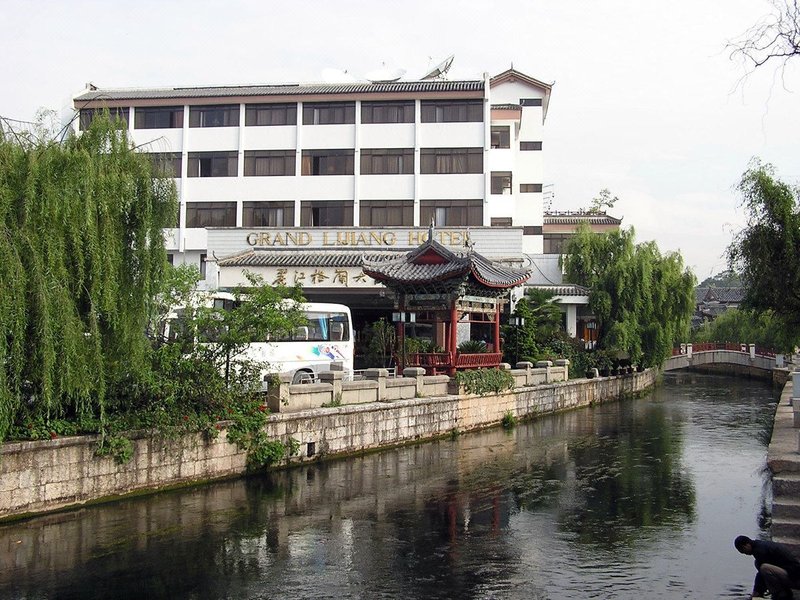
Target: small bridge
[[744, 359]]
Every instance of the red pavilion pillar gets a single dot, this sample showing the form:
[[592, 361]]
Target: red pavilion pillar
[[497, 328], [453, 342]]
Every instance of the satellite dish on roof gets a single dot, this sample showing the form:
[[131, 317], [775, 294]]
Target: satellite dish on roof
[[440, 70], [385, 74], [337, 76]]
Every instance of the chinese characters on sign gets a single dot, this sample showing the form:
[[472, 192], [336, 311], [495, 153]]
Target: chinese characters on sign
[[325, 276]]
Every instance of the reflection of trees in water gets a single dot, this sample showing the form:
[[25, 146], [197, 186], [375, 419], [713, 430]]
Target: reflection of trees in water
[[627, 477]]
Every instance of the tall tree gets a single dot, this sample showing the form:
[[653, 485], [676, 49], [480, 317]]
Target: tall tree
[[642, 300], [775, 38], [81, 257], [766, 253]]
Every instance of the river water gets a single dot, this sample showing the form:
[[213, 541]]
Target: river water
[[633, 499]]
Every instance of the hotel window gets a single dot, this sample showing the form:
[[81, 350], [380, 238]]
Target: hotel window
[[116, 113], [451, 160], [214, 116], [167, 164], [387, 162], [212, 164], [269, 163], [267, 214], [390, 213], [451, 213], [530, 188], [326, 214], [556, 243], [211, 214], [501, 222], [270, 114], [387, 112], [501, 182], [501, 136], [329, 113], [161, 117], [327, 162], [530, 146], [453, 111]]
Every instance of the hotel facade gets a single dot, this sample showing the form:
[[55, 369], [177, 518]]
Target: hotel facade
[[301, 182]]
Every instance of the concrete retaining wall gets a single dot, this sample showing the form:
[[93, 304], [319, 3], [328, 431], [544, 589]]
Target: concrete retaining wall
[[43, 476]]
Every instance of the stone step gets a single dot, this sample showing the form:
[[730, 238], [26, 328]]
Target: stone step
[[786, 484], [790, 542], [786, 528], [785, 507]]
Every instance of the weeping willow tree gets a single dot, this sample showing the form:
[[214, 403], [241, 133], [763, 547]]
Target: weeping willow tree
[[642, 300], [81, 257]]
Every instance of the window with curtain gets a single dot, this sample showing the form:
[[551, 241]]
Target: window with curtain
[[269, 163], [226, 115], [501, 136], [452, 213], [451, 111], [268, 214], [326, 213], [114, 113], [501, 182], [387, 112], [167, 164], [327, 162], [442, 161], [213, 164], [375, 161], [270, 114], [390, 213], [329, 113], [210, 214], [158, 117]]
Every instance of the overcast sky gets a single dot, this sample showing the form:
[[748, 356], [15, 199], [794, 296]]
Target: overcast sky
[[646, 102]]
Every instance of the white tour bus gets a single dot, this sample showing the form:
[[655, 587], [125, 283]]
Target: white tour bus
[[326, 337]]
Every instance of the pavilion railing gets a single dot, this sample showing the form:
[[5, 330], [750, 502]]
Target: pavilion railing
[[429, 359], [484, 359]]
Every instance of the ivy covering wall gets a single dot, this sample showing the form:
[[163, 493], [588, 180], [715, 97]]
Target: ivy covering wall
[[81, 257]]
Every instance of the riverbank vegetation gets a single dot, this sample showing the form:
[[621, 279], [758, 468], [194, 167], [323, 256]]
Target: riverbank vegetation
[[85, 345], [642, 299]]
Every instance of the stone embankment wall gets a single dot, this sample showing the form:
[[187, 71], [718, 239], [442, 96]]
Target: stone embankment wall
[[43, 476]]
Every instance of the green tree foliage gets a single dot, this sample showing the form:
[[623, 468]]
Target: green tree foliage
[[766, 253], [602, 202], [542, 323], [642, 300], [762, 328], [726, 279], [81, 257]]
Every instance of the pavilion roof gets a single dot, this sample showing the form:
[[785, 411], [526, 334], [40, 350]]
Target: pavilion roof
[[433, 263]]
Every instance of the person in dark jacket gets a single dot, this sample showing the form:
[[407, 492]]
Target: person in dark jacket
[[777, 568]]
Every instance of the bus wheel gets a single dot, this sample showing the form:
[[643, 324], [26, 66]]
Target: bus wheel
[[303, 377]]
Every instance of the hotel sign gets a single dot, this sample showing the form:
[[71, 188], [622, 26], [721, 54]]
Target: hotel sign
[[352, 238]]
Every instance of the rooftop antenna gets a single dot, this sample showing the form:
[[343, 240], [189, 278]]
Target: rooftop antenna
[[438, 72]]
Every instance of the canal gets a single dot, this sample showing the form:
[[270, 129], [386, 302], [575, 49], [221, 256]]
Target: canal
[[633, 499]]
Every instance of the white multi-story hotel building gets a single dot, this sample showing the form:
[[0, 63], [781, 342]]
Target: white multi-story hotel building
[[288, 178]]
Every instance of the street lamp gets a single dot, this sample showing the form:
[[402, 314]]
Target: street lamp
[[516, 322]]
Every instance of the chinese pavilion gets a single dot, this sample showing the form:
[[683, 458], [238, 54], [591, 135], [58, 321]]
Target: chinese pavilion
[[445, 288]]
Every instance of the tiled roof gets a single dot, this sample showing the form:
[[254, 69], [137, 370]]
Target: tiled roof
[[574, 218], [290, 89], [294, 258], [564, 290], [725, 295], [406, 269]]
